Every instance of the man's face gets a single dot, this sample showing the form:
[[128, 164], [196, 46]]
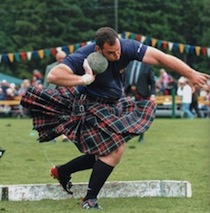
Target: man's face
[[111, 52]]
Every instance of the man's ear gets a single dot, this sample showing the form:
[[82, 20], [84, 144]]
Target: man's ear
[[98, 49]]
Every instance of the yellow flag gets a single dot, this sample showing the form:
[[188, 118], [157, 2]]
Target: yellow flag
[[11, 57], [71, 48], [154, 41], [197, 50], [181, 48], [41, 54]]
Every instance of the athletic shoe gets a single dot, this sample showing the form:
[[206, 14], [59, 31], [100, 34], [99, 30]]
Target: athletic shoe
[[91, 204], [64, 180]]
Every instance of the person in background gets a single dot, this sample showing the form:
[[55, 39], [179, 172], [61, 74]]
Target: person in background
[[92, 110], [194, 103], [24, 87], [2, 96], [185, 91], [4, 87], [205, 94], [60, 55], [139, 80], [37, 78], [165, 83]]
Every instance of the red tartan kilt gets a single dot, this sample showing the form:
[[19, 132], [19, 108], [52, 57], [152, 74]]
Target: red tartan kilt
[[95, 128]]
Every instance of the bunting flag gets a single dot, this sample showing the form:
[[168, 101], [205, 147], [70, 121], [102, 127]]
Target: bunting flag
[[160, 44]]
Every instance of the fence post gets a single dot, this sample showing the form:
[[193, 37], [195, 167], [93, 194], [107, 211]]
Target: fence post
[[173, 103]]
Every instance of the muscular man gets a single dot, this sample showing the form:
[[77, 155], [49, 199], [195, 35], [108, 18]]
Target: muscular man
[[91, 109]]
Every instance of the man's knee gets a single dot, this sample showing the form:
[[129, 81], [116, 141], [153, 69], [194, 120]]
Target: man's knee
[[114, 157]]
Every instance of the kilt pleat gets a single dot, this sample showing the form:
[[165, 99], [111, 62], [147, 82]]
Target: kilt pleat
[[95, 128]]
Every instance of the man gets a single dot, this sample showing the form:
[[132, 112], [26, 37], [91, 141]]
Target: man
[[140, 83], [60, 55], [91, 109], [194, 104], [185, 91]]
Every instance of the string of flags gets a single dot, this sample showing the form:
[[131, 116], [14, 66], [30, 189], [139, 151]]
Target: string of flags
[[171, 46], [163, 44]]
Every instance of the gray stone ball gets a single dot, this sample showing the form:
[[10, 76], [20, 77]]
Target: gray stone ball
[[97, 62]]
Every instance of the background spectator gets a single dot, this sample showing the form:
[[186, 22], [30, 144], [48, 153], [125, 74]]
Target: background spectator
[[37, 78], [194, 104], [166, 82], [139, 82], [24, 87], [60, 55], [185, 90]]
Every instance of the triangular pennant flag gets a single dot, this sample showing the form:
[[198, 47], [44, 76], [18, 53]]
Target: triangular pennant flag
[[53, 51], [119, 35], [170, 45], [197, 50], [76, 46], [165, 45], [89, 42], [154, 41], [29, 54], [127, 34], [187, 48], [41, 54], [11, 57], [143, 38], [58, 49], [23, 55], [159, 43], [35, 54], [5, 58], [204, 50], [47, 52], [175, 46], [123, 35], [17, 56], [71, 48], [138, 37], [148, 41], [132, 36], [65, 49], [208, 51], [181, 48], [192, 49]]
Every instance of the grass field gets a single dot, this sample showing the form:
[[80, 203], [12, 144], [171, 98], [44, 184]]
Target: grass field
[[174, 149]]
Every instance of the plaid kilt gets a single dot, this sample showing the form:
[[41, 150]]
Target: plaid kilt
[[95, 128]]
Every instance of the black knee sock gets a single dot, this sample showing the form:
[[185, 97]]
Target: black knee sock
[[78, 164], [100, 173]]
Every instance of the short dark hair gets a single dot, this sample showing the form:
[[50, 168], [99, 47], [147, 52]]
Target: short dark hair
[[105, 34]]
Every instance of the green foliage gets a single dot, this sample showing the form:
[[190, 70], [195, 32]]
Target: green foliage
[[31, 25], [174, 149]]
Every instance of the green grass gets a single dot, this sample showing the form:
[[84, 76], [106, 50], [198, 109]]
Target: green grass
[[174, 149]]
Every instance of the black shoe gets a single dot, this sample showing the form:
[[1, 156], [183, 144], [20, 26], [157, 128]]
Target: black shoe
[[63, 179]]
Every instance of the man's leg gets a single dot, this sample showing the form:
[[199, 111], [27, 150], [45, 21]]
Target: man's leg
[[62, 173], [102, 168], [80, 163]]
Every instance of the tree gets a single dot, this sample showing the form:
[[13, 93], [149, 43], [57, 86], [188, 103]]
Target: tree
[[32, 25]]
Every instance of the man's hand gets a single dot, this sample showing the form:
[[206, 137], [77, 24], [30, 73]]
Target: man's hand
[[199, 79], [88, 77]]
